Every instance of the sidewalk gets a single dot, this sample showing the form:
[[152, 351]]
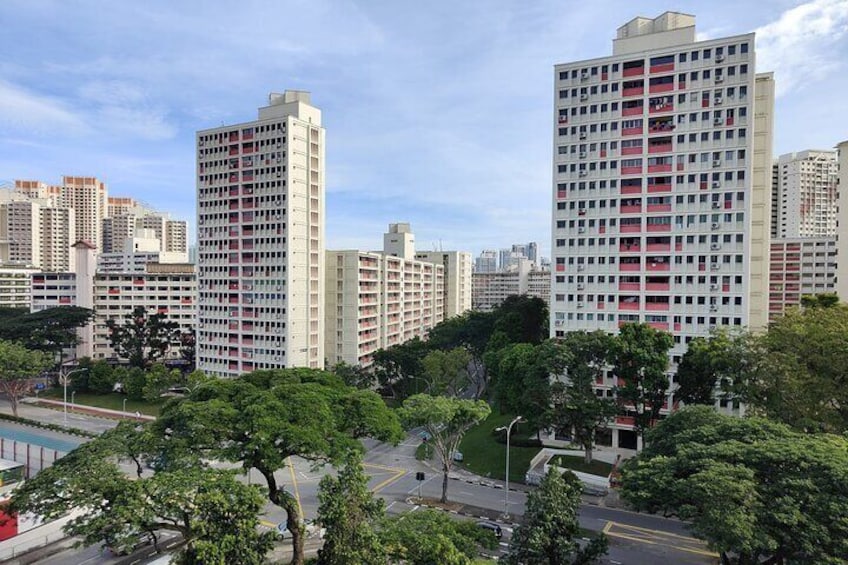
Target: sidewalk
[[38, 537], [91, 422], [90, 410]]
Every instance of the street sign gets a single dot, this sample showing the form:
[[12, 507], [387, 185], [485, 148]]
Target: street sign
[[39, 386], [419, 476]]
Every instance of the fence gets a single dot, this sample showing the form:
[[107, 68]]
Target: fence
[[34, 457]]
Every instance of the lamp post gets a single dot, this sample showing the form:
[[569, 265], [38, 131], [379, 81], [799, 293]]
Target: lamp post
[[508, 431], [73, 394], [124, 408], [65, 380]]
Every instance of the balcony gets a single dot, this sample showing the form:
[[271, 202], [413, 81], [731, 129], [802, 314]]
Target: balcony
[[625, 420], [637, 150], [659, 325], [659, 187], [664, 87], [628, 189], [665, 68], [634, 286], [632, 131], [659, 208], [664, 168], [629, 267], [633, 71], [631, 170], [628, 305], [658, 267], [633, 91], [660, 148], [631, 228], [633, 111], [659, 227], [635, 209], [629, 248], [663, 287], [657, 306]]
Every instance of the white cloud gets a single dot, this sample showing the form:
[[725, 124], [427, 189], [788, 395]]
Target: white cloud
[[23, 110], [803, 44]]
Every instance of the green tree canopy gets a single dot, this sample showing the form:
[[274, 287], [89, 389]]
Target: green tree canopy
[[754, 490], [576, 408], [18, 366], [349, 511], [430, 537], [215, 514], [50, 330], [142, 338], [399, 367], [446, 419], [721, 363], [640, 361], [446, 372], [261, 419], [523, 384], [550, 531]]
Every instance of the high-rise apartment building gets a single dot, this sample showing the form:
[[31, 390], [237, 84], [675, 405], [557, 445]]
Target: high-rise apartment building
[[842, 225], [662, 174], [490, 289], [801, 266], [88, 197], [804, 188], [33, 230], [457, 287], [260, 189]]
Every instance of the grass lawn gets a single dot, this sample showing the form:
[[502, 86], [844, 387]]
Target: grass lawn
[[424, 452], [576, 463], [111, 401], [486, 457]]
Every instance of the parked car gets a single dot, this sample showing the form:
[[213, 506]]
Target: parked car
[[492, 527], [457, 456]]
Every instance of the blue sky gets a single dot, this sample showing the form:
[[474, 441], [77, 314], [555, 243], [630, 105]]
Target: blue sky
[[437, 113]]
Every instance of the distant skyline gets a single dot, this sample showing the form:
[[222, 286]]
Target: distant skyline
[[437, 114]]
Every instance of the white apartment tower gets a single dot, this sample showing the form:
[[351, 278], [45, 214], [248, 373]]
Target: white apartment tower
[[662, 172], [457, 287], [260, 189], [804, 194], [89, 199]]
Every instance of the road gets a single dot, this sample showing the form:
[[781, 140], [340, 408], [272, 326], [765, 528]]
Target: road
[[637, 539]]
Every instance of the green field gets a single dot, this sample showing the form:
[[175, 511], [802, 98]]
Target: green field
[[111, 401], [486, 457], [576, 463]]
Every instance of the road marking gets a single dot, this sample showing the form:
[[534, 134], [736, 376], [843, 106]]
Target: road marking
[[400, 473], [296, 490], [383, 467], [657, 537]]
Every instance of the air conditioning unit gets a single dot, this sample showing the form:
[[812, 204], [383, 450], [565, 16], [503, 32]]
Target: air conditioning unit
[[559, 322], [716, 205], [582, 135], [715, 225], [584, 97], [580, 286], [582, 154], [583, 173], [717, 100], [719, 79], [715, 266], [715, 246], [713, 287], [580, 304], [716, 162], [716, 184], [719, 58], [581, 229], [581, 267], [718, 121], [712, 327], [713, 308], [584, 75]]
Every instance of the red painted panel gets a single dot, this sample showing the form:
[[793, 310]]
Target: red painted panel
[[636, 111], [631, 131], [659, 188], [634, 91], [667, 87], [659, 207], [631, 228], [659, 326], [658, 266], [631, 170], [658, 246], [677, 327], [659, 227], [633, 72], [628, 286], [629, 267], [656, 306], [624, 248], [657, 286], [660, 148], [659, 168], [637, 209], [631, 190], [628, 305], [631, 150], [666, 68]]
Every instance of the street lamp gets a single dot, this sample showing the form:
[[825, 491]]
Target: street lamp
[[65, 380], [124, 410], [508, 431], [73, 394]]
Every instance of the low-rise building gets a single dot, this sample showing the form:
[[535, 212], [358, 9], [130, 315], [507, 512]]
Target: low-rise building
[[489, 290]]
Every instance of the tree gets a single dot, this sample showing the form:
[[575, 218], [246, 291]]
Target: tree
[[576, 408], [216, 514], [354, 375], [446, 420], [429, 537], [801, 375], [550, 531], [755, 491], [348, 510], [100, 378], [142, 339], [824, 300], [472, 331], [640, 360], [157, 380], [721, 362], [51, 330], [399, 367], [188, 348], [18, 366], [446, 371], [523, 386], [263, 418], [523, 318]]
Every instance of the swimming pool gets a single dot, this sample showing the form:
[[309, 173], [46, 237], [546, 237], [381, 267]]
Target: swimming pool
[[14, 433]]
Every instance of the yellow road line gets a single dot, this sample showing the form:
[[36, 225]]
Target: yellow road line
[[660, 532], [268, 524], [296, 490], [657, 538], [383, 467], [390, 480], [608, 527]]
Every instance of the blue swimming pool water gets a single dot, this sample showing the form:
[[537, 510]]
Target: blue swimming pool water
[[16, 434]]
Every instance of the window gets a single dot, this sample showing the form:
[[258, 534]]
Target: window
[[743, 48], [695, 55], [731, 50], [707, 53], [682, 58]]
